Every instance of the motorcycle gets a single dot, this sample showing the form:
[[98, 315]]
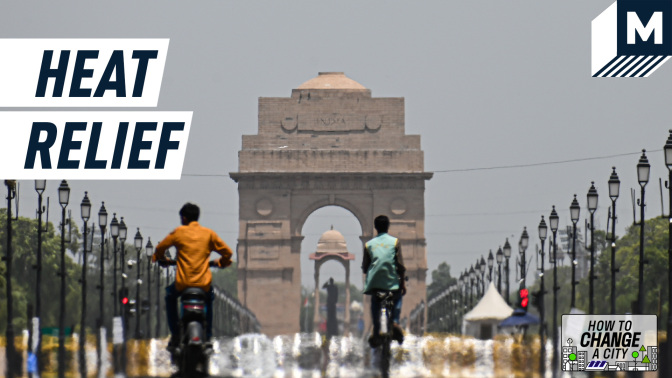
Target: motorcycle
[[191, 356]]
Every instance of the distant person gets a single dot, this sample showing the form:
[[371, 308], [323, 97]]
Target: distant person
[[194, 244], [360, 325], [384, 269], [332, 300]]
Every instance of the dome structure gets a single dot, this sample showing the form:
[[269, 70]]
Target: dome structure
[[332, 241], [331, 80]]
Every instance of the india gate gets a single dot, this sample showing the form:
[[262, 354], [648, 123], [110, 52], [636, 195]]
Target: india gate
[[330, 144]]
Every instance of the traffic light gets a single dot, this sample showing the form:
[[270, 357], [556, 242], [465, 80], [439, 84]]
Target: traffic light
[[123, 295], [523, 295]]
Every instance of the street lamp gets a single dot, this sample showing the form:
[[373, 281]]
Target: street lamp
[[472, 277], [491, 262], [10, 351], [500, 258], [63, 199], [85, 208], [123, 234], [137, 242], [507, 254], [643, 170], [614, 188], [543, 232], [574, 211], [524, 241], [149, 250], [668, 185], [592, 207], [554, 221], [40, 186], [114, 232], [102, 223]]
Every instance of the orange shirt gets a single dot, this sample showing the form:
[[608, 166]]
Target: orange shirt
[[194, 244]]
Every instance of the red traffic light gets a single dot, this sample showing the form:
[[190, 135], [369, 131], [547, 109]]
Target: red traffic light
[[523, 298], [124, 300]]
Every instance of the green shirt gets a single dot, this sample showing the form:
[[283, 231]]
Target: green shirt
[[382, 264]]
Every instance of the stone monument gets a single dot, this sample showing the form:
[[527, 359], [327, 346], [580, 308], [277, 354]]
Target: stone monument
[[330, 144]]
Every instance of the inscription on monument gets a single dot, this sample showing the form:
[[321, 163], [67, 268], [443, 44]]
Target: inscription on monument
[[334, 122]]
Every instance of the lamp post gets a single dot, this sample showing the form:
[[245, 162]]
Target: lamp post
[[614, 188], [507, 254], [40, 186], [668, 185], [472, 278], [114, 232], [554, 222], [9, 331], [643, 169], [574, 211], [524, 241], [63, 199], [157, 332], [123, 234], [149, 250], [482, 270], [543, 232], [85, 208], [137, 242], [592, 206], [500, 258], [491, 263], [102, 223]]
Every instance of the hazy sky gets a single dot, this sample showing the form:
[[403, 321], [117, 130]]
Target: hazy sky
[[486, 83]]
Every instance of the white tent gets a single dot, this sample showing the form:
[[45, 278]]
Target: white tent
[[482, 320]]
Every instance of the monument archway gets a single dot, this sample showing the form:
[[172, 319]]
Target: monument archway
[[328, 144]]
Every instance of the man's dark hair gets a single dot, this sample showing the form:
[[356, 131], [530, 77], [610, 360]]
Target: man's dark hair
[[381, 223], [190, 212]]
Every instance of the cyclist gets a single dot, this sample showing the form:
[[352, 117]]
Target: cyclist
[[384, 269], [194, 244]]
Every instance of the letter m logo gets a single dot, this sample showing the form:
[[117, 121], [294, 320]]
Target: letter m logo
[[631, 38]]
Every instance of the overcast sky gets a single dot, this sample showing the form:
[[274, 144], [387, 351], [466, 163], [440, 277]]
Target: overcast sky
[[486, 83]]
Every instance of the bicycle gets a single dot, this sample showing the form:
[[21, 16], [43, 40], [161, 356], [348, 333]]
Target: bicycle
[[385, 331]]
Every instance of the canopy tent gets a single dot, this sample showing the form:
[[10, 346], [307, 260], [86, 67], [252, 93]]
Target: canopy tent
[[483, 319]]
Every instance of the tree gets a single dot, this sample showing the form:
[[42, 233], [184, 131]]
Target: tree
[[441, 280]]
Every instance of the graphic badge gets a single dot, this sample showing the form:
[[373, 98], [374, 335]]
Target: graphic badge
[[609, 342], [631, 38]]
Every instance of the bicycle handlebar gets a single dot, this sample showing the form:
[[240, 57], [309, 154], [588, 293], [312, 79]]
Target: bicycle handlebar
[[166, 263]]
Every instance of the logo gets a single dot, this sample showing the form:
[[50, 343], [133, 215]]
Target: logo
[[631, 38], [609, 342]]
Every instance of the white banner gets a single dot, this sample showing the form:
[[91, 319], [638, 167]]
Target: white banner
[[93, 145], [81, 72]]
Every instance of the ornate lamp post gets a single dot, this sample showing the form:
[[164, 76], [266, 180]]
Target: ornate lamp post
[[10, 352], [482, 270], [592, 206], [63, 199], [524, 242], [137, 242], [491, 263], [149, 250], [102, 223], [614, 188], [114, 232], [40, 186], [123, 234], [574, 210], [668, 185], [500, 258], [472, 278], [543, 231], [554, 222], [643, 170], [507, 254], [85, 207]]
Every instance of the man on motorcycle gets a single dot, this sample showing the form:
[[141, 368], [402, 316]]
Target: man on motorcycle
[[384, 269], [194, 244]]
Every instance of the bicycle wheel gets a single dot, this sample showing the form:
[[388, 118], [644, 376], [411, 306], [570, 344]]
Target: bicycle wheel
[[385, 358]]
